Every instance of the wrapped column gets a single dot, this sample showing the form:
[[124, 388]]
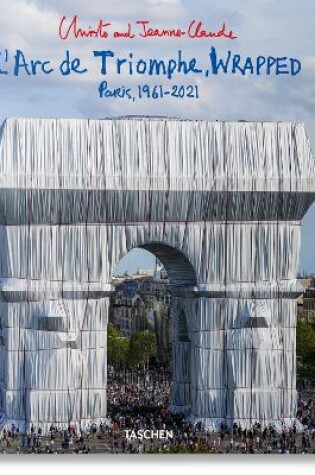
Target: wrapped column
[[55, 355], [239, 361], [53, 333], [234, 339]]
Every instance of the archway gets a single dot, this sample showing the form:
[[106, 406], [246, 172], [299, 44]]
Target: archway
[[142, 303]]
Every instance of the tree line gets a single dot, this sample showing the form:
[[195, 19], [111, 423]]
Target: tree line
[[130, 351]]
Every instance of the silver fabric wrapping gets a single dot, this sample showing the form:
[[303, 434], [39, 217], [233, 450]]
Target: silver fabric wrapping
[[238, 361], [219, 203]]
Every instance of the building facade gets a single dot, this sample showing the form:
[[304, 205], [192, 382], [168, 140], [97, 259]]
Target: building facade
[[306, 302], [143, 302], [128, 312]]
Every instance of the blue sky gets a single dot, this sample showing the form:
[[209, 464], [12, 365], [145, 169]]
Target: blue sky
[[282, 28]]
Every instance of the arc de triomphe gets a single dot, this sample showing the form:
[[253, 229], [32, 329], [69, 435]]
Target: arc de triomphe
[[219, 203]]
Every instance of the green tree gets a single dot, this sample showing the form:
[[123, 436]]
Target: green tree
[[142, 348], [112, 330], [117, 346]]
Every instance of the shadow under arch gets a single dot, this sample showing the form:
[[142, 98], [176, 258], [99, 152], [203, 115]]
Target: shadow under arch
[[179, 269]]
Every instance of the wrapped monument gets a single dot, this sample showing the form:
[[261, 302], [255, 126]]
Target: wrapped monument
[[218, 203]]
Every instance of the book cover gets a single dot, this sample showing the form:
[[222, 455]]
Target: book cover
[[156, 237]]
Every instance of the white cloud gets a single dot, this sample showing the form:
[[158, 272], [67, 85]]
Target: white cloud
[[168, 3], [111, 9]]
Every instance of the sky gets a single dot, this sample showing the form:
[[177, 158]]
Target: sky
[[282, 28]]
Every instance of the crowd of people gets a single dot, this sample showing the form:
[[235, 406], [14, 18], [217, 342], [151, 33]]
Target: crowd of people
[[137, 409], [151, 388], [33, 441], [143, 403]]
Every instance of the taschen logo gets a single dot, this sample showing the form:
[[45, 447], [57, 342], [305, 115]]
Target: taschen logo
[[149, 434]]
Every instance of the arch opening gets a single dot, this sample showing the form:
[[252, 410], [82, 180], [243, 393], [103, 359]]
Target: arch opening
[[141, 305]]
